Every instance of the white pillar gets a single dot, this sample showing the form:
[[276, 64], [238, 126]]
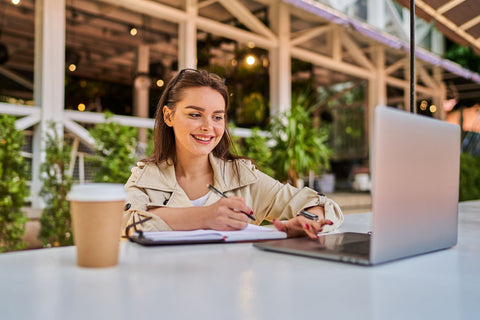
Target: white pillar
[[141, 89], [440, 94], [376, 13], [49, 80], [280, 60], [187, 37], [438, 42], [377, 91]]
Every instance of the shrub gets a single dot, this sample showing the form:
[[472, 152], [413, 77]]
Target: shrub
[[469, 177], [256, 148], [116, 147], [56, 222], [13, 186]]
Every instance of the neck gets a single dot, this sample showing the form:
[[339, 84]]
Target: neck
[[192, 167]]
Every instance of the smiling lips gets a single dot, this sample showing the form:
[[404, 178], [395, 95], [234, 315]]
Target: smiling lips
[[202, 138]]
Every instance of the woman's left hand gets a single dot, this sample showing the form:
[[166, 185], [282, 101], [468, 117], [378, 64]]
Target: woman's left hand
[[301, 226]]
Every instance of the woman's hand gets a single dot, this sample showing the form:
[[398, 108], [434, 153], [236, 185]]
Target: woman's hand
[[301, 226], [227, 214]]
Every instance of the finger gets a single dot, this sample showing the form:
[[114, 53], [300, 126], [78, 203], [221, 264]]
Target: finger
[[317, 227], [279, 225], [238, 215], [325, 222], [238, 204], [236, 224], [309, 231]]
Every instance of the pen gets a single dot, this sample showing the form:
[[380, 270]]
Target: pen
[[308, 215], [221, 194]]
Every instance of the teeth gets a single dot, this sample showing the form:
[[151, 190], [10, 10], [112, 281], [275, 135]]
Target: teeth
[[202, 138]]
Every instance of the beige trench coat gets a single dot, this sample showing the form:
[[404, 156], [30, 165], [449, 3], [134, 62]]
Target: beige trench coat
[[152, 186]]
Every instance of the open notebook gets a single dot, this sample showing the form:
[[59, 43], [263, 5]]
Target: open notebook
[[251, 233]]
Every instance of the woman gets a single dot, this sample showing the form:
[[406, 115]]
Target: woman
[[192, 150]]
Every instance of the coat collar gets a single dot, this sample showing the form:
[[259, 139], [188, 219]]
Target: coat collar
[[224, 175]]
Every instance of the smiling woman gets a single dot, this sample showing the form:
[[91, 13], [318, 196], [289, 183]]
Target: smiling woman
[[192, 150]]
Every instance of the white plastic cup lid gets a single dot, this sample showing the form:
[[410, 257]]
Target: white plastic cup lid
[[97, 192]]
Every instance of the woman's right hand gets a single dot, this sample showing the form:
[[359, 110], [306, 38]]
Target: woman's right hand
[[227, 214]]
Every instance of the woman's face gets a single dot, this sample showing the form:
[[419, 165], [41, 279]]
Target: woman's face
[[198, 121]]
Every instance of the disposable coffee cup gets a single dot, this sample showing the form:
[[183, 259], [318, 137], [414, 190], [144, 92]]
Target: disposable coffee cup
[[96, 210]]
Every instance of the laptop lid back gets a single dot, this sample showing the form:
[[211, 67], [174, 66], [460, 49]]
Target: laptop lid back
[[415, 172]]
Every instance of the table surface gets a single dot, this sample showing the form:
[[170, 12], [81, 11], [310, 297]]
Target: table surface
[[238, 281]]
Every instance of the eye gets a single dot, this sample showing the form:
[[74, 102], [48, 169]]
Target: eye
[[194, 115], [218, 118]]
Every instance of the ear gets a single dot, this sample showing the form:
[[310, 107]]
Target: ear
[[167, 116]]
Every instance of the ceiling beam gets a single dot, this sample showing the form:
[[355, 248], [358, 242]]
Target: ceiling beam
[[245, 16], [449, 5], [437, 15], [16, 78], [309, 34], [327, 62], [355, 52]]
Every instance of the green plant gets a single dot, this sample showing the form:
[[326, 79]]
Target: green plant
[[469, 177], [300, 147], [116, 146], [13, 186], [252, 111], [56, 222], [256, 147]]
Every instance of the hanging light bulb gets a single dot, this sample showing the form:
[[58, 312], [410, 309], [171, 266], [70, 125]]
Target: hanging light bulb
[[250, 60], [16, 2], [133, 31]]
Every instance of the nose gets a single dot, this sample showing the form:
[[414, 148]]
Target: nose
[[206, 124]]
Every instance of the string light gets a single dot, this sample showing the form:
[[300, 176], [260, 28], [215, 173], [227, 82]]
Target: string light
[[250, 60], [16, 2], [160, 83], [72, 67], [433, 108], [81, 107], [423, 105], [133, 31]]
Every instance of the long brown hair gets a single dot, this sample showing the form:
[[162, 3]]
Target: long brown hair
[[164, 137]]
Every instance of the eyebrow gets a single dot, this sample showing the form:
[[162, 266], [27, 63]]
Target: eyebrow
[[203, 109]]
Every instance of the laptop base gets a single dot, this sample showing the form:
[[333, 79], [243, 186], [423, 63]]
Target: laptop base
[[347, 247]]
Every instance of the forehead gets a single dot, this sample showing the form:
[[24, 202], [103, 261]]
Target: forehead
[[202, 97]]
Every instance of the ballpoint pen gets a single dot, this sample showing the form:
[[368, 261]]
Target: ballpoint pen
[[308, 215], [221, 194]]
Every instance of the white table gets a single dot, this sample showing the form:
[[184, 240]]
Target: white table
[[237, 281]]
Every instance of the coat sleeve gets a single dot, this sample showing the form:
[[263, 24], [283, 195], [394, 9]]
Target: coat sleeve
[[283, 201], [137, 205]]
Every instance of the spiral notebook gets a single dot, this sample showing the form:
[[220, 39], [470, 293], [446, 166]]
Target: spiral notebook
[[249, 234]]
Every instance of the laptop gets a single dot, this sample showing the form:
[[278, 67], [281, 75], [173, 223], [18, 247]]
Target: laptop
[[415, 169]]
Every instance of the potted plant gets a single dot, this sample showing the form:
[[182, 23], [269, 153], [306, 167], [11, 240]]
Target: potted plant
[[300, 147]]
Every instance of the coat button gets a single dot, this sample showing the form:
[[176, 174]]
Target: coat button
[[127, 206]]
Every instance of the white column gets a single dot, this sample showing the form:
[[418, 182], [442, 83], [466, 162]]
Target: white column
[[376, 13], [438, 42], [49, 80], [187, 37], [141, 89], [440, 94], [377, 91], [280, 60]]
